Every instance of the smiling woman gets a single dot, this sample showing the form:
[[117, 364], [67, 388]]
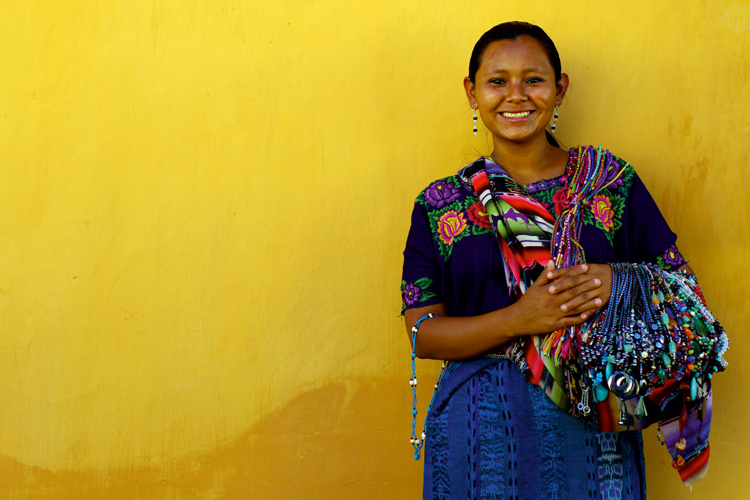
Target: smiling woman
[[515, 89], [494, 279]]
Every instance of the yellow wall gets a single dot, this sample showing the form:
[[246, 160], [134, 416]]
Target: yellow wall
[[203, 206]]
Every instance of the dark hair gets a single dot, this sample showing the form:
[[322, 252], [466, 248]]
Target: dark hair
[[511, 31]]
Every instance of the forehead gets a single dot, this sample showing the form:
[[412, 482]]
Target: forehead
[[523, 53]]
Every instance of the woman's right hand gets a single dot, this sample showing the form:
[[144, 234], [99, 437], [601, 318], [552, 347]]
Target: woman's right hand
[[544, 306]]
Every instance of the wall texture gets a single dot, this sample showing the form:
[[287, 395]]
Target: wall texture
[[203, 206]]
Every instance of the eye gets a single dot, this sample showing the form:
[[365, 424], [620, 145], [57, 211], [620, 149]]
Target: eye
[[497, 81], [534, 79]]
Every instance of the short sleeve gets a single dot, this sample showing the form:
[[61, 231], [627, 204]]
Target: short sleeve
[[421, 280], [649, 236]]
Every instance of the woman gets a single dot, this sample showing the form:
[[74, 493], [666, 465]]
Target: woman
[[476, 293]]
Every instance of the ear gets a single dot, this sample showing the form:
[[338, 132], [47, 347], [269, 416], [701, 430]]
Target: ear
[[562, 87], [469, 88]]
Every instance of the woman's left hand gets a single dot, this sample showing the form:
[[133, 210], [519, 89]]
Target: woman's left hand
[[586, 302]]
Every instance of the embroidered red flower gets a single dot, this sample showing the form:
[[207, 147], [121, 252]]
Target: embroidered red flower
[[560, 201], [601, 208], [450, 225], [478, 216]]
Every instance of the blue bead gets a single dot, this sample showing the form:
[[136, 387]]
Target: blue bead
[[416, 456], [693, 388], [600, 392], [413, 355], [414, 412], [667, 360]]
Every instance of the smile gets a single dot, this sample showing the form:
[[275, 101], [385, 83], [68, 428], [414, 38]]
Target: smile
[[516, 115]]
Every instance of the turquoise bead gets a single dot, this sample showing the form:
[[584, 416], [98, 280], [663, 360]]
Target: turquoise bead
[[667, 360], [672, 347], [609, 369], [693, 388], [600, 392]]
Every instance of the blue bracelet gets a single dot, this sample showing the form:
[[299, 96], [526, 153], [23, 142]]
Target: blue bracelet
[[418, 442]]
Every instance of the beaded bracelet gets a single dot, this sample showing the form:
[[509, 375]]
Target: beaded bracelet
[[418, 442]]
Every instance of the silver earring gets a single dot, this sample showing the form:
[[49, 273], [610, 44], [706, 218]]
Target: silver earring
[[475, 121], [554, 122]]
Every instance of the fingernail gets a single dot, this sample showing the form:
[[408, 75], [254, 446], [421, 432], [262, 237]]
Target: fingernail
[[598, 302], [597, 282], [549, 275], [585, 267], [552, 289], [584, 316], [563, 307]]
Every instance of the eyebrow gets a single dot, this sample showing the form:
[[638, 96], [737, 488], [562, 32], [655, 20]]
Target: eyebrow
[[531, 69]]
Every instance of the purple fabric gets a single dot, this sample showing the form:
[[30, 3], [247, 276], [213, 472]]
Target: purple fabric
[[490, 433]]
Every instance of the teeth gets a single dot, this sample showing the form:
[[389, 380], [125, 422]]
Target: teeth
[[517, 115]]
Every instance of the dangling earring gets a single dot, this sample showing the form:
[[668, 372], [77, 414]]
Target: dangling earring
[[475, 120], [554, 122]]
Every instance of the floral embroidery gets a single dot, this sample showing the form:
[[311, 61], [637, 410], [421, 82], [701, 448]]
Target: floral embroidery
[[440, 193], [612, 178], [414, 293], [601, 207], [450, 225], [670, 259], [478, 216], [560, 201], [411, 294]]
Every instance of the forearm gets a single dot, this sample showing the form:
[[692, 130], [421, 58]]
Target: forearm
[[558, 298], [458, 338]]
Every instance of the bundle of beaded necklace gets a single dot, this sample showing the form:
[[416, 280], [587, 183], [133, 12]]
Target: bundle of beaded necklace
[[650, 354]]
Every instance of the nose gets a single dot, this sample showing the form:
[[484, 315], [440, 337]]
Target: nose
[[516, 92]]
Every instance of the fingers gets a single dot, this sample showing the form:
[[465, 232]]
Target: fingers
[[576, 296], [582, 306], [543, 279], [555, 274], [574, 284]]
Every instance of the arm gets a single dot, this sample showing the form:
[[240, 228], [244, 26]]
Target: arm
[[538, 311]]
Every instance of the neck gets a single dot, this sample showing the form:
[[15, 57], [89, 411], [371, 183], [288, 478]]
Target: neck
[[530, 162]]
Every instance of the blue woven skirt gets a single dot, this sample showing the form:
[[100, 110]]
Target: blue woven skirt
[[493, 435]]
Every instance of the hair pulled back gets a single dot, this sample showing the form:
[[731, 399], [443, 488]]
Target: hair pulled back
[[510, 31]]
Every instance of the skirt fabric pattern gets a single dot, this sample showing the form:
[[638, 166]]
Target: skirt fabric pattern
[[493, 435]]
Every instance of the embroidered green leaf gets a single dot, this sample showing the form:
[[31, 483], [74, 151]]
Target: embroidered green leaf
[[660, 262], [476, 230], [422, 283]]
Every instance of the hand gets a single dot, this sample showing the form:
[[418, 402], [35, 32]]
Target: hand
[[560, 298], [584, 297]]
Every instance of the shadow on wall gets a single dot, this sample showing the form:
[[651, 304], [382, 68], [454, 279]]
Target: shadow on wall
[[344, 452]]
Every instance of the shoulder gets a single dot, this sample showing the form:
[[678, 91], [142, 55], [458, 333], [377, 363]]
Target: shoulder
[[443, 192], [618, 174]]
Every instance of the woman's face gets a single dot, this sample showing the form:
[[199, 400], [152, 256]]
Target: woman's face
[[515, 90]]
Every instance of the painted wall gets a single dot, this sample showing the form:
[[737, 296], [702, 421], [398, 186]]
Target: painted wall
[[203, 207]]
